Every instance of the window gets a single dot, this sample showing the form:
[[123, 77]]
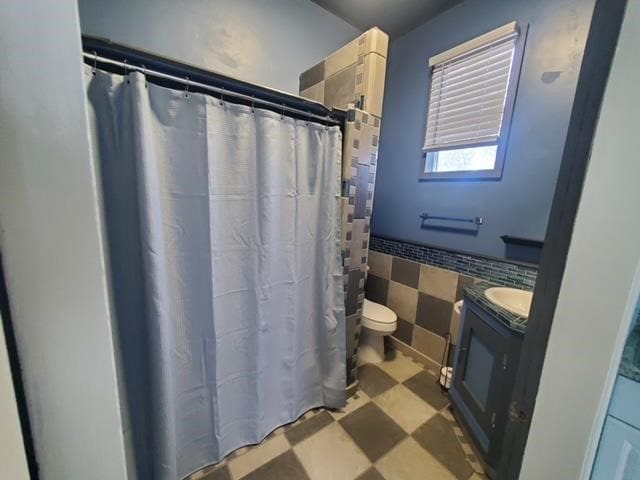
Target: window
[[472, 94]]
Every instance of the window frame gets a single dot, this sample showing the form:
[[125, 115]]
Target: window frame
[[505, 127]]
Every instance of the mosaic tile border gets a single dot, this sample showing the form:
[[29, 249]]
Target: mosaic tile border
[[495, 271]]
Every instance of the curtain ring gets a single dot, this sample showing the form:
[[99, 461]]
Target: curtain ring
[[95, 62], [282, 113], [186, 88], [222, 96], [126, 72], [253, 105], [144, 72], [308, 117]]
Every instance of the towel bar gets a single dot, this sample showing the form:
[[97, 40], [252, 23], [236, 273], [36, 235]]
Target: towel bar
[[476, 220]]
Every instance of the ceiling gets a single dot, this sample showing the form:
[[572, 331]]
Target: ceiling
[[395, 17]]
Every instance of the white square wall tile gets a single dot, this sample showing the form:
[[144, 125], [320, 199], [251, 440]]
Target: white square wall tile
[[438, 282], [429, 343], [341, 58], [380, 264], [314, 92], [339, 88], [403, 301]]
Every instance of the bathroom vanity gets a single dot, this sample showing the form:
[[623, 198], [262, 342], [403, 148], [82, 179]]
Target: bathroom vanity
[[485, 365]]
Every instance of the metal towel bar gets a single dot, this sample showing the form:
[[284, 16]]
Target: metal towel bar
[[476, 220]]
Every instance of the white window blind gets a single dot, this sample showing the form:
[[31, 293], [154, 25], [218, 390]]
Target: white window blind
[[468, 92]]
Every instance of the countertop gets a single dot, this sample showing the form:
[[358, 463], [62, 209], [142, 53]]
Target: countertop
[[475, 293], [630, 364]]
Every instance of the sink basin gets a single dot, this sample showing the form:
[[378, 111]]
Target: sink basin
[[512, 299]]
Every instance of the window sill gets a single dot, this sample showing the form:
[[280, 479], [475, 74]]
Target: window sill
[[494, 174]]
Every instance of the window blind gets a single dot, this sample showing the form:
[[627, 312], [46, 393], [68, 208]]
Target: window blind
[[468, 93]]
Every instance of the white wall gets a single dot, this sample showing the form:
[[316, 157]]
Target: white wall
[[598, 292], [268, 42], [52, 246], [12, 456]]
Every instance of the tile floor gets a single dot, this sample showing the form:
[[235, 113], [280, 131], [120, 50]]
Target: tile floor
[[397, 427]]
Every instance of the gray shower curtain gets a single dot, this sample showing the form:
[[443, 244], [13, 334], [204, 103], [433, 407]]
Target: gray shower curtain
[[223, 231]]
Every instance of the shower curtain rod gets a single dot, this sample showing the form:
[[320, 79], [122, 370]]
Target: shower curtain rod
[[99, 52]]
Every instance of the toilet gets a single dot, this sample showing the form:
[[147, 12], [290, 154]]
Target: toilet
[[377, 321]]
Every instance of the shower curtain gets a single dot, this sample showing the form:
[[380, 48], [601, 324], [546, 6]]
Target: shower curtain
[[223, 232]]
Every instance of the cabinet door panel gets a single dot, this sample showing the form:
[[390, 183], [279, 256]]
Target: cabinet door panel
[[479, 369]]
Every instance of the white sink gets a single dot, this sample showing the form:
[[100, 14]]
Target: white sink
[[512, 299]]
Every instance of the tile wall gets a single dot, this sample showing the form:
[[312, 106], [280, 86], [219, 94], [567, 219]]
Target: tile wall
[[422, 293], [419, 283], [510, 274], [360, 148], [354, 76]]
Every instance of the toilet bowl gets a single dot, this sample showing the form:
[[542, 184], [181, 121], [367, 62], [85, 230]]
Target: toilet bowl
[[377, 321]]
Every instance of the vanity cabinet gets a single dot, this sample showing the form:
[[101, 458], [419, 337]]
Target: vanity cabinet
[[486, 361]]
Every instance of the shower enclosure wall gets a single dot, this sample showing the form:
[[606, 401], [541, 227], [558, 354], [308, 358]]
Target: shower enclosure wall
[[353, 78]]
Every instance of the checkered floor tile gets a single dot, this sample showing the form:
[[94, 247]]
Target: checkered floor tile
[[397, 426]]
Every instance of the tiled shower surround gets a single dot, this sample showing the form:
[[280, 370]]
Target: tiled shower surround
[[354, 76], [421, 284], [359, 174]]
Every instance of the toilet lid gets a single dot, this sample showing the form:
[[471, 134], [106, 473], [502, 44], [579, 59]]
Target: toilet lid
[[378, 313]]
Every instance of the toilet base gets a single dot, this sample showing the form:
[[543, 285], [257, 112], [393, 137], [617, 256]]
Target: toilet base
[[371, 349]]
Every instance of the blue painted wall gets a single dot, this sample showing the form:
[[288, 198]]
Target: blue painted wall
[[269, 42], [520, 202]]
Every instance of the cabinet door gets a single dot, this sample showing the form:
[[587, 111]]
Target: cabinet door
[[479, 372]]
